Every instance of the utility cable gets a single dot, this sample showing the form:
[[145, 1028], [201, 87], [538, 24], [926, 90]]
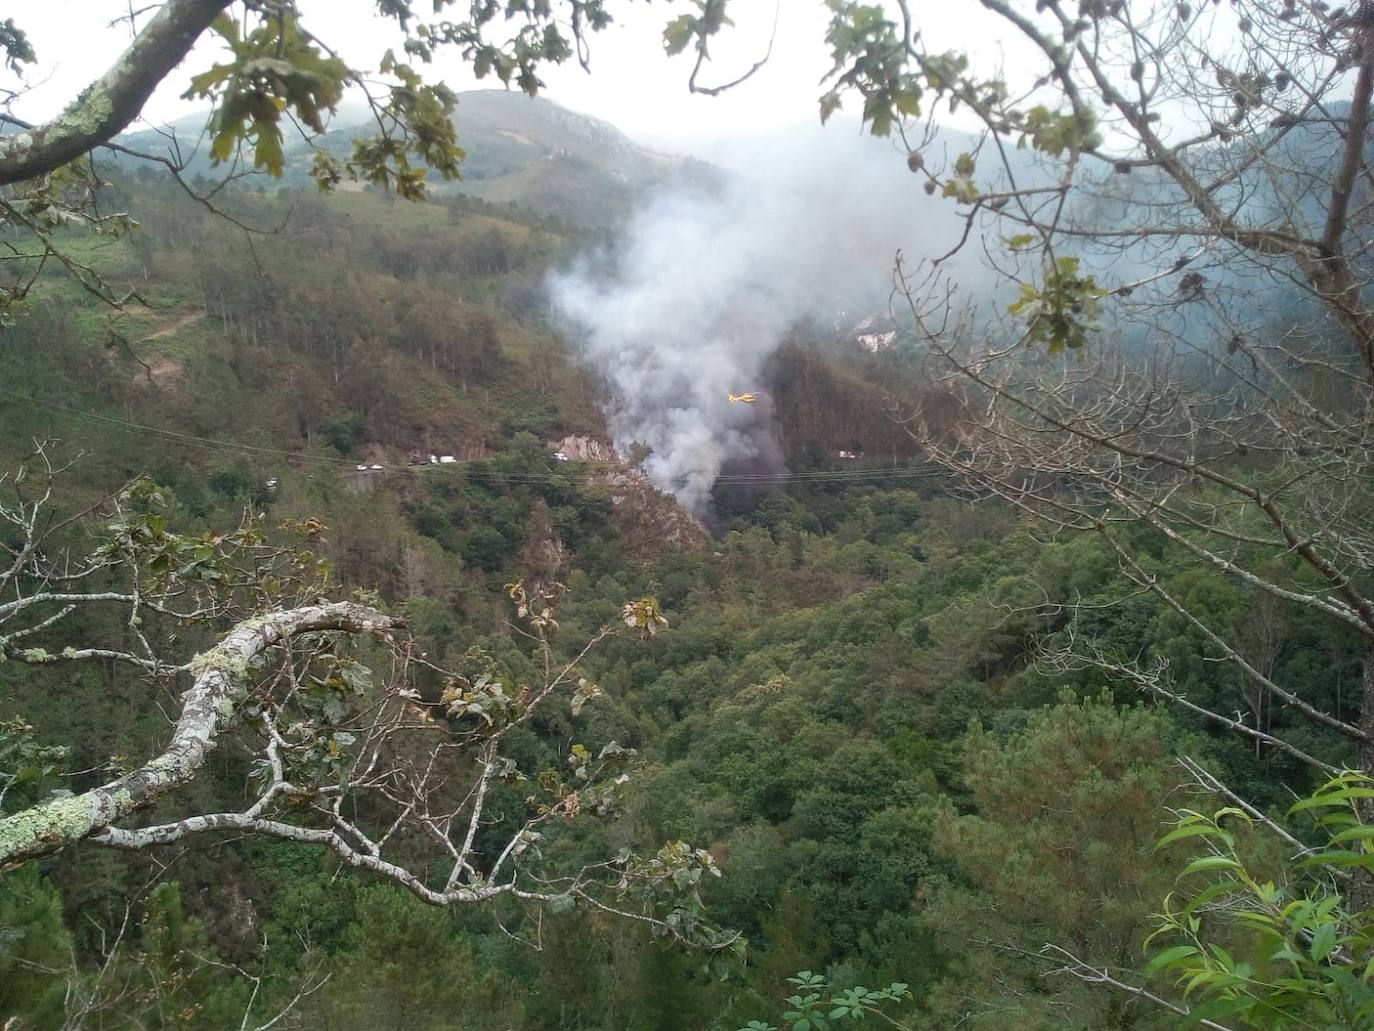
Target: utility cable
[[472, 466]]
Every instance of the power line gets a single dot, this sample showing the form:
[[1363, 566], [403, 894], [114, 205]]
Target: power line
[[175, 435], [471, 467], [822, 475]]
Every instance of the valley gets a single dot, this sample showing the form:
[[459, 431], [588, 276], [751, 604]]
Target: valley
[[463, 569]]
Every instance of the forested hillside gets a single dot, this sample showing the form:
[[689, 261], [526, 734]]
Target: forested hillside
[[542, 587], [812, 715], [551, 160]]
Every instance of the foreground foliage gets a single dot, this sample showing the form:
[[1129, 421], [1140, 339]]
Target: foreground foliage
[[820, 1005], [1285, 952]]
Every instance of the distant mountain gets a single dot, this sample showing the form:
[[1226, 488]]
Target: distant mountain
[[527, 150]]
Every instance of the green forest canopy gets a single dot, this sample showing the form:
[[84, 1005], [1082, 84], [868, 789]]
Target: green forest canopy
[[904, 729]]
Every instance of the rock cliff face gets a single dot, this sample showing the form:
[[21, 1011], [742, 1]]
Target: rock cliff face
[[587, 449], [648, 521]]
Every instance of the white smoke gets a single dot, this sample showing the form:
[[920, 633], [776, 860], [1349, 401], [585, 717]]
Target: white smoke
[[701, 291]]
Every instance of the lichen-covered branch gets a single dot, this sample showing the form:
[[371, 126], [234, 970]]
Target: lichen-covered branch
[[108, 105], [219, 684]]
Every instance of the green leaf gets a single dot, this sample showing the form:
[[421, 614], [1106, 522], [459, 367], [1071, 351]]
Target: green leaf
[[1330, 798], [1363, 832], [1194, 830], [1340, 858], [878, 114], [1205, 863], [678, 33], [1222, 956], [1323, 942], [1168, 958], [907, 102]]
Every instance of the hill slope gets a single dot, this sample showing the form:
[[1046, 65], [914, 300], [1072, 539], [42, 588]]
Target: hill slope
[[520, 149]]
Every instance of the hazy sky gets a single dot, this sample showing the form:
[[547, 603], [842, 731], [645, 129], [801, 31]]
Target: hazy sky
[[633, 84]]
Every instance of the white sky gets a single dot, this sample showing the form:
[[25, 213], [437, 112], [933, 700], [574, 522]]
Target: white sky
[[633, 84]]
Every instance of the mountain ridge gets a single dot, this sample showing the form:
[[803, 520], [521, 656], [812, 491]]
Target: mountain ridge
[[524, 150]]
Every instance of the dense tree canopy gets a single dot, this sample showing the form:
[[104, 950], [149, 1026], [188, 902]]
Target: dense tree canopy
[[877, 709]]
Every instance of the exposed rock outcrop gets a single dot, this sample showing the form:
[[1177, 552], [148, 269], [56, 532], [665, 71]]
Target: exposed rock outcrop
[[586, 449], [648, 521]]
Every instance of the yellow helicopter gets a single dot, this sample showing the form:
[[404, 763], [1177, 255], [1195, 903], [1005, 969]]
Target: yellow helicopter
[[747, 399]]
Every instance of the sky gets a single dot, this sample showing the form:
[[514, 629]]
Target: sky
[[633, 84]]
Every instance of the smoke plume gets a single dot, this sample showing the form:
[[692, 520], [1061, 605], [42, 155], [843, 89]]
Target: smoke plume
[[699, 292]]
